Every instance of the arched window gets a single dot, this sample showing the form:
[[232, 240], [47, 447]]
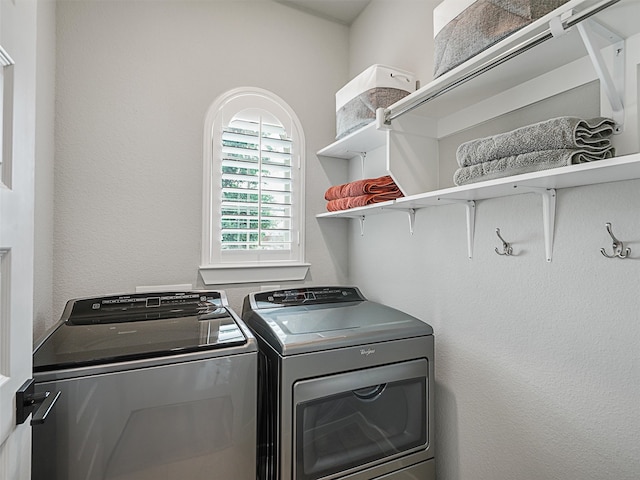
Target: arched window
[[253, 195]]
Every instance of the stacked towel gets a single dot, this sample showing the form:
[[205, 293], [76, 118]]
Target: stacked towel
[[361, 193], [553, 143]]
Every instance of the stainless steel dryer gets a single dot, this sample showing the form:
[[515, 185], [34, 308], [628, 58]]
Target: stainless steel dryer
[[345, 387], [153, 386]]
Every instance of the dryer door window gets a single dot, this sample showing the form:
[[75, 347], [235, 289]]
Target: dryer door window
[[346, 421]]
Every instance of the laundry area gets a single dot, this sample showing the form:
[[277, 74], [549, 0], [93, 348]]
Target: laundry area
[[305, 240]]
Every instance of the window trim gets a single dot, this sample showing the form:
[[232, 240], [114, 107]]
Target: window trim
[[212, 270]]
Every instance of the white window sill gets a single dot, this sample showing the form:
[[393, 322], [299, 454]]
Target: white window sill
[[253, 273]]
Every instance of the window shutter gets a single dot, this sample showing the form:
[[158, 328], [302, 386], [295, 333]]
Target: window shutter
[[256, 196]]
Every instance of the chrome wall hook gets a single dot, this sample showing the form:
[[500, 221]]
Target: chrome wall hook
[[506, 247], [618, 247]]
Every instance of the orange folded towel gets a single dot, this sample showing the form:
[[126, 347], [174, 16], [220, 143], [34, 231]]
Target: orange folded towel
[[361, 200], [366, 186]]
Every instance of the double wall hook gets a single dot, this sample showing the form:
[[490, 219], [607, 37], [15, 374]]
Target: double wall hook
[[618, 247], [506, 247]]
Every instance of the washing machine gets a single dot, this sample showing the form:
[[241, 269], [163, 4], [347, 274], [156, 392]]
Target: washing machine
[[345, 387], [152, 386]]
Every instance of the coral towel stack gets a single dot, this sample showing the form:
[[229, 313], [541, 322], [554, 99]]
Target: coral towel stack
[[361, 193], [553, 143]]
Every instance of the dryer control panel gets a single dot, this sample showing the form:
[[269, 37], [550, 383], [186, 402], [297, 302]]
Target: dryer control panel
[[307, 296]]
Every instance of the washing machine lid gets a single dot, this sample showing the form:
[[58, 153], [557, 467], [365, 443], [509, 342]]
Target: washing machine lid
[[120, 328], [311, 319]]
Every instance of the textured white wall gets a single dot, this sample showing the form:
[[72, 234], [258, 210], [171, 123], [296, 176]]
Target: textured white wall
[[134, 81], [45, 147], [537, 364], [403, 39]]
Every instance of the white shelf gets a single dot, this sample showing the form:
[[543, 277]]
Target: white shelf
[[409, 153], [509, 63], [382, 207], [366, 139], [602, 171], [544, 183], [593, 173]]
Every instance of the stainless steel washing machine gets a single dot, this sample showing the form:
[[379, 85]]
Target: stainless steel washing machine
[[152, 386], [345, 387]]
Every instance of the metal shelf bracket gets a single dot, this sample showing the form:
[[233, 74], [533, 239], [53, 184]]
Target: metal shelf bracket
[[382, 122], [363, 158], [470, 206], [611, 82], [411, 212], [548, 215], [412, 218]]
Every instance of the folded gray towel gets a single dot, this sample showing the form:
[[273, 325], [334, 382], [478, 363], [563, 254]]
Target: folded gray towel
[[558, 133], [526, 163]]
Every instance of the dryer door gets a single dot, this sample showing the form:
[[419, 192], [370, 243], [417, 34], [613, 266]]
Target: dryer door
[[358, 419]]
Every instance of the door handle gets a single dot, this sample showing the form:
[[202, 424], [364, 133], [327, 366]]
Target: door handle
[[28, 402]]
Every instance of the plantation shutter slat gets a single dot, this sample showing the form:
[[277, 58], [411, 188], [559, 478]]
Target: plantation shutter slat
[[255, 206]]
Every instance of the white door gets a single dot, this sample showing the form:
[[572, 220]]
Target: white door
[[17, 100]]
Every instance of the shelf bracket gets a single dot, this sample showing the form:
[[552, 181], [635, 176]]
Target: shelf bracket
[[412, 217], [363, 158], [548, 215], [382, 122], [613, 85], [470, 206], [361, 218]]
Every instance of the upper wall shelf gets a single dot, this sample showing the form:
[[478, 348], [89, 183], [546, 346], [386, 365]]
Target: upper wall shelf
[[514, 60], [366, 139], [492, 74]]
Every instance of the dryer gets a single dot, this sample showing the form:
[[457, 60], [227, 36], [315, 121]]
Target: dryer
[[345, 387], [152, 386]]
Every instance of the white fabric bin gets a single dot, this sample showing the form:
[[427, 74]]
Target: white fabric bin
[[379, 86]]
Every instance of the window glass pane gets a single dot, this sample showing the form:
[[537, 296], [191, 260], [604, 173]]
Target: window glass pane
[[274, 157], [256, 184], [270, 184], [276, 171]]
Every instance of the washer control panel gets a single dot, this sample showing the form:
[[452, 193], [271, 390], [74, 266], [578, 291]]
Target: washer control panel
[[134, 307]]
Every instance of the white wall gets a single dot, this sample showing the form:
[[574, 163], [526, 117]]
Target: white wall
[[402, 40], [45, 146], [537, 364], [134, 81]]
